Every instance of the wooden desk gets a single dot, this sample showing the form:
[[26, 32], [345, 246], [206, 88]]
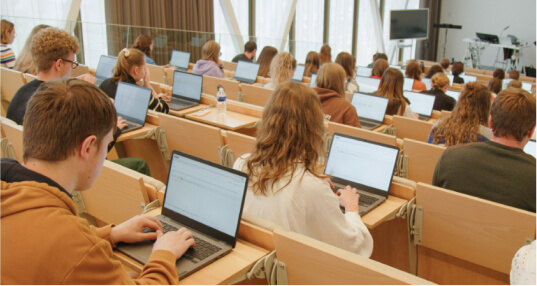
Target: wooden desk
[[136, 133], [230, 121], [183, 112], [384, 211]]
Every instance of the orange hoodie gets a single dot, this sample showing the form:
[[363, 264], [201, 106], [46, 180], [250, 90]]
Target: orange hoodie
[[336, 108], [45, 242]]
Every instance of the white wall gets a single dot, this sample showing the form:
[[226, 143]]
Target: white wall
[[490, 17]]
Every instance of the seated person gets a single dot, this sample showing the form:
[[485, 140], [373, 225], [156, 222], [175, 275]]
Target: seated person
[[433, 70], [348, 62], [498, 73], [391, 87], [379, 67], [312, 64], [7, 56], [514, 84], [24, 60], [444, 63], [377, 56], [210, 63], [144, 43], [285, 185], [325, 55], [250, 48], [282, 69], [440, 84], [514, 75], [43, 239], [495, 86], [497, 170], [331, 90], [265, 59], [468, 121], [413, 71], [456, 69]]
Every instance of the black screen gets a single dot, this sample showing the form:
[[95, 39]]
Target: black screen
[[409, 24]]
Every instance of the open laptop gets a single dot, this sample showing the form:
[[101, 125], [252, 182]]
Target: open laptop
[[180, 60], [525, 85], [246, 72], [186, 90], [313, 82], [104, 68], [207, 199], [493, 39], [363, 71], [530, 147], [131, 104], [408, 84], [370, 109], [367, 84], [365, 165], [428, 83], [299, 73], [454, 94], [421, 103], [468, 78]]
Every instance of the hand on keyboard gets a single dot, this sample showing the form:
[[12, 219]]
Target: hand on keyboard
[[178, 242], [348, 198]]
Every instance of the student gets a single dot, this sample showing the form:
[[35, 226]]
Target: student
[[377, 56], [264, 60], [469, 120], [456, 69], [250, 48], [392, 88], [285, 185], [325, 54], [379, 67], [282, 68], [515, 84], [24, 63], [434, 70], [497, 170], [44, 241], [498, 73], [145, 43], [514, 74], [312, 64], [444, 63], [495, 86], [131, 68], [348, 62], [440, 84], [210, 63], [331, 90], [7, 56], [413, 71]]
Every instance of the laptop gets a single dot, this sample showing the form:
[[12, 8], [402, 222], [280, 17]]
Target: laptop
[[530, 147], [131, 104], [493, 39], [299, 73], [421, 103], [428, 83], [363, 71], [207, 199], [186, 90], [313, 82], [370, 109], [450, 77], [367, 84], [525, 85], [246, 72], [104, 68], [468, 78], [408, 84], [365, 165], [454, 94], [180, 60], [398, 67]]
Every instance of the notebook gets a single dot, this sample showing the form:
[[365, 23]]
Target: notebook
[[365, 165], [180, 60], [313, 82], [299, 73], [408, 84], [421, 103], [207, 199], [454, 94], [131, 104], [246, 72], [370, 109], [530, 147], [367, 84], [104, 68], [363, 71], [428, 83], [186, 90]]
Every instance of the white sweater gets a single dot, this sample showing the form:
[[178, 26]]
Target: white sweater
[[309, 207]]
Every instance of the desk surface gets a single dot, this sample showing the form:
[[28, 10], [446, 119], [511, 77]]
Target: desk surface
[[230, 121], [183, 112], [384, 211], [136, 133]]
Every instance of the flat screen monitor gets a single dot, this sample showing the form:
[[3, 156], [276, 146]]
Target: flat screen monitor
[[409, 24]]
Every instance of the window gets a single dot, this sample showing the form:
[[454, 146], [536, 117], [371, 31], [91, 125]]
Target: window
[[222, 34], [341, 26], [309, 22], [270, 21], [366, 42]]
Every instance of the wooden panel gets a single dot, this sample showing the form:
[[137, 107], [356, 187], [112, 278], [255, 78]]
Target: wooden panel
[[256, 235], [80, 70], [240, 144], [13, 134], [422, 159], [148, 150], [445, 114], [361, 133], [412, 128], [211, 86], [29, 77], [391, 244], [11, 80], [255, 94], [230, 66], [157, 73], [230, 121]]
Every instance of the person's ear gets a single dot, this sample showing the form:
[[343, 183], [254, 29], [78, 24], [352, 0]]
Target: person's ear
[[57, 65], [85, 147], [530, 133]]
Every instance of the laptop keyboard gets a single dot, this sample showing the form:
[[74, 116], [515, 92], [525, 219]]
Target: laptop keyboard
[[365, 200], [368, 125]]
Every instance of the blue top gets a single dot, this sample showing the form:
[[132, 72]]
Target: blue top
[[148, 60]]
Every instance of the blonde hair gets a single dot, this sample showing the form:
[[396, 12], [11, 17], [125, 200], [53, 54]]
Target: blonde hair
[[50, 45], [379, 67], [24, 63], [282, 68], [347, 61], [211, 51], [332, 76], [126, 60], [7, 27], [439, 80]]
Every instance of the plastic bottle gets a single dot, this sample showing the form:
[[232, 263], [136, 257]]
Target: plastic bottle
[[221, 100]]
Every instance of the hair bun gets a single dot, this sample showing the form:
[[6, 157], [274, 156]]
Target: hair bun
[[126, 53]]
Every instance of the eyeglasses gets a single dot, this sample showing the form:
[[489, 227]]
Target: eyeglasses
[[74, 64]]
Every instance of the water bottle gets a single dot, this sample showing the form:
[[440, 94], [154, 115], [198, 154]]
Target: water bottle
[[422, 66], [221, 100]]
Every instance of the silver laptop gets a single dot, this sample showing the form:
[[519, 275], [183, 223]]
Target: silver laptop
[[313, 82], [186, 90], [246, 72], [429, 84], [408, 84], [468, 78], [363, 71], [453, 94], [367, 84], [207, 199], [530, 147], [131, 104], [104, 68], [365, 165], [525, 85], [180, 60], [370, 109], [421, 103], [299, 73]]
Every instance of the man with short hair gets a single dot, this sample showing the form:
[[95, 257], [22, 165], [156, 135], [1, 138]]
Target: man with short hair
[[497, 170], [444, 63], [250, 48], [67, 127], [514, 74]]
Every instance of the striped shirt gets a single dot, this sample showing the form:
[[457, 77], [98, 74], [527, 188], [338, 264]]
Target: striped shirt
[[7, 56]]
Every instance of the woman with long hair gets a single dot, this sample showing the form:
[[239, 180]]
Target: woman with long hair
[[414, 71], [312, 64], [379, 67], [24, 63], [348, 63], [285, 186], [468, 121], [264, 60], [210, 63], [434, 70], [392, 87], [439, 86], [325, 54], [282, 68], [144, 43]]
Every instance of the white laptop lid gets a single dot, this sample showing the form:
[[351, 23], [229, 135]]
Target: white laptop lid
[[131, 102], [454, 94], [420, 103], [370, 106], [180, 59], [450, 76], [530, 148], [363, 71], [398, 67], [468, 78], [525, 85], [427, 82], [246, 71], [313, 82], [299, 73], [408, 84], [187, 86], [105, 67], [367, 84]]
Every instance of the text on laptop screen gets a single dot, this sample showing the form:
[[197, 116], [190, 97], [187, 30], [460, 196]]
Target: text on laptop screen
[[131, 102], [187, 85], [363, 71], [420, 103], [180, 59], [105, 67], [299, 73], [408, 84], [204, 193], [246, 71], [530, 148], [313, 82], [370, 106], [427, 82], [453, 94], [367, 84], [361, 162]]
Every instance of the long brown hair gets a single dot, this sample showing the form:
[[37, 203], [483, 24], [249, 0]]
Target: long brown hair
[[379, 67], [413, 70], [264, 60], [143, 43], [290, 133], [434, 70], [392, 88], [347, 61], [325, 54], [126, 60], [471, 110], [332, 76], [312, 63]]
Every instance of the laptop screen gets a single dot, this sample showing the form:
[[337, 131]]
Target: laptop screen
[[530, 148], [454, 94], [369, 106], [363, 71], [187, 85], [363, 162], [420, 103], [313, 82], [408, 84], [427, 82], [525, 85], [468, 78], [131, 102], [299, 73], [367, 84], [180, 59], [246, 72], [206, 193], [105, 67], [450, 76]]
